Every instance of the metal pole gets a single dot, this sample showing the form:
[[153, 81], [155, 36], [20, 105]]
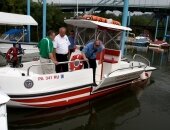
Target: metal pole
[[77, 7], [156, 30], [44, 17], [166, 27], [129, 20], [28, 26], [162, 56], [124, 23], [153, 55]]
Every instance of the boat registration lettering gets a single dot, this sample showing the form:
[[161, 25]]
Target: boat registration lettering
[[53, 77]]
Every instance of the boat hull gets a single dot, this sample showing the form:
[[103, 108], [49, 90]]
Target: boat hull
[[36, 90], [62, 99]]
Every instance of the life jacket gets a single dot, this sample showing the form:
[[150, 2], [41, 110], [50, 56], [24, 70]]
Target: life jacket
[[101, 19], [12, 54]]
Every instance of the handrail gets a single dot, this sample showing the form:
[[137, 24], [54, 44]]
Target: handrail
[[28, 70], [141, 57], [124, 69], [23, 35], [6, 37]]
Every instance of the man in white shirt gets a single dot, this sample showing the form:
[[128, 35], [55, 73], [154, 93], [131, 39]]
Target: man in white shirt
[[61, 48]]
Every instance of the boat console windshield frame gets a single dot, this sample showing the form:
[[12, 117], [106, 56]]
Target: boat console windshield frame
[[101, 31]]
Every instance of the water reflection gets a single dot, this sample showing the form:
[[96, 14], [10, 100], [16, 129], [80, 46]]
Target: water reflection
[[102, 113], [156, 56]]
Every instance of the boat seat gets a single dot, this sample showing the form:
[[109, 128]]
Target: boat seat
[[110, 61], [110, 56]]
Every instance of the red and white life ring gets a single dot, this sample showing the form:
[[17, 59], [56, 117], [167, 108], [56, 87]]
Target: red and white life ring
[[77, 65]]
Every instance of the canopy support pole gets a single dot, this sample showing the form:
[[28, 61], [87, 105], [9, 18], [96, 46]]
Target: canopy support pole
[[124, 23], [156, 30], [44, 17], [28, 26], [129, 20], [166, 27]]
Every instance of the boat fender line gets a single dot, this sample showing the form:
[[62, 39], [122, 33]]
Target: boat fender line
[[77, 65]]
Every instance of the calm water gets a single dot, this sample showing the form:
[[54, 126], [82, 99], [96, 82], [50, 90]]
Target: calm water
[[141, 107]]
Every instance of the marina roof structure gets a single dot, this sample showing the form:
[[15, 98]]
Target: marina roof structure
[[16, 19]]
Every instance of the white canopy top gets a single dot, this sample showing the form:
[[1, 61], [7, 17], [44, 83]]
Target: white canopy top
[[94, 24], [16, 19]]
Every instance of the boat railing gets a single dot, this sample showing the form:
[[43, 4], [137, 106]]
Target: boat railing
[[131, 67], [76, 62], [141, 58], [22, 36]]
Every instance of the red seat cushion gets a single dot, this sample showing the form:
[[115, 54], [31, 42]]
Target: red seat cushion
[[112, 52], [110, 61], [109, 52]]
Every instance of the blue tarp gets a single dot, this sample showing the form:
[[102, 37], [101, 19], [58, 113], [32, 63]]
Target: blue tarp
[[14, 31], [168, 36], [17, 32]]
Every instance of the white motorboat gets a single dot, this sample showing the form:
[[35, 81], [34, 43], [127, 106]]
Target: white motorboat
[[8, 39], [141, 41], [27, 86]]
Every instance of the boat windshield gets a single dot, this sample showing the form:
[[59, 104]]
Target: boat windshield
[[2, 60]]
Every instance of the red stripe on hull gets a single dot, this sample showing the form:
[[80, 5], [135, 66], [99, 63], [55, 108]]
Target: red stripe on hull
[[55, 97], [76, 100]]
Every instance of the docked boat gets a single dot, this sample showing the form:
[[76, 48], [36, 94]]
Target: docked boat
[[129, 39], [138, 41], [141, 41], [17, 35], [159, 44], [27, 86]]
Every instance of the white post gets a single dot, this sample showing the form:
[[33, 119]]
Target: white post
[[3, 113]]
